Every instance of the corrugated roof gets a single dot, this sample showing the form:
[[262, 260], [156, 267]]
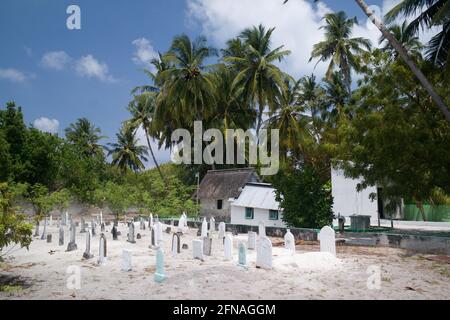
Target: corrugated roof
[[257, 195], [225, 184]]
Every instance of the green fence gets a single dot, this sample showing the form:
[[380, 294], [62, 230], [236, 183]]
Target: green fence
[[432, 213]]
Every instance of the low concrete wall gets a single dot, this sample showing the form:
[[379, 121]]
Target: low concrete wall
[[418, 243]]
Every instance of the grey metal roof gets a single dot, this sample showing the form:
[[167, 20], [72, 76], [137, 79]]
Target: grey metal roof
[[257, 195]]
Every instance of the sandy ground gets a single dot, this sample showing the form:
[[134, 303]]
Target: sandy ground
[[41, 272]]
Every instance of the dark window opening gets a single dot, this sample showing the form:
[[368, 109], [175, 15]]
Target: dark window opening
[[219, 204]]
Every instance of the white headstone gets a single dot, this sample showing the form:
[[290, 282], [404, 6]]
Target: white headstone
[[251, 243], [222, 229], [264, 253], [289, 241], [126, 260], [101, 217], [228, 249], [197, 249], [204, 233], [327, 238], [181, 223], [50, 222], [158, 233], [212, 225], [102, 250], [261, 229]]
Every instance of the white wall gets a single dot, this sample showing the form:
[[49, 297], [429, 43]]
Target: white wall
[[347, 201], [238, 217]]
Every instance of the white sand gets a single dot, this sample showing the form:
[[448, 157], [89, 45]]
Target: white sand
[[307, 275]]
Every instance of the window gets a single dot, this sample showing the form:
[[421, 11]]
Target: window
[[273, 214], [249, 213], [219, 204]]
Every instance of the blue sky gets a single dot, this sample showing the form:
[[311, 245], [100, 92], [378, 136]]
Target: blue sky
[[61, 75]]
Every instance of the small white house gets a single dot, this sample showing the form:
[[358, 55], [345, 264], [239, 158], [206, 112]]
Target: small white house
[[256, 203], [348, 201]]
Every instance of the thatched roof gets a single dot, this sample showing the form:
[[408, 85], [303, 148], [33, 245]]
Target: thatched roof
[[225, 184]]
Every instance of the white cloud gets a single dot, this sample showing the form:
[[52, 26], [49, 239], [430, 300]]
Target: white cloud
[[56, 60], [144, 52], [14, 75], [46, 125], [297, 25], [88, 66]]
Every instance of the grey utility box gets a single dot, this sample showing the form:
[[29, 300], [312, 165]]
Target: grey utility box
[[359, 222]]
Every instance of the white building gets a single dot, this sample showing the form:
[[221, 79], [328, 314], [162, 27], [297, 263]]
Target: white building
[[348, 201], [256, 203]]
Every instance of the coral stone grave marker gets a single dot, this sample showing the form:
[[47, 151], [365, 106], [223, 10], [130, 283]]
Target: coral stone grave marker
[[197, 249], [289, 241], [251, 242], [228, 249], [327, 238], [126, 261], [159, 274], [264, 253], [87, 253]]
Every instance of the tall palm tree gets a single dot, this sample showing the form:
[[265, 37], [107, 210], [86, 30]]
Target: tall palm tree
[[404, 54], [260, 79], [343, 51], [126, 153], [291, 120], [231, 112], [433, 13], [409, 41], [87, 136], [142, 109], [187, 90]]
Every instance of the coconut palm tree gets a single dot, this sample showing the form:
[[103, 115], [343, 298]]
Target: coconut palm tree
[[126, 153], [142, 109], [260, 79], [410, 42], [231, 112], [85, 135], [343, 52], [291, 120], [404, 54], [433, 13], [187, 90]]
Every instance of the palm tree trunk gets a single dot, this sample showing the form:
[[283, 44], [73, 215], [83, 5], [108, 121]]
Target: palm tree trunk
[[421, 210], [403, 53], [154, 159]]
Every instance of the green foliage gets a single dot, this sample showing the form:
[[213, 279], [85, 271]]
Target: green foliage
[[397, 139], [61, 199], [13, 226], [305, 200]]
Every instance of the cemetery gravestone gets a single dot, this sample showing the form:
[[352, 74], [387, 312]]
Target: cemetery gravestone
[[261, 229], [126, 261], [159, 274], [251, 240], [204, 233], [264, 253], [242, 258], [72, 245], [197, 249], [327, 238], [289, 241], [114, 233], [49, 238], [175, 244], [131, 232], [222, 228], [228, 247], [102, 250], [87, 253], [83, 225], [207, 243]]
